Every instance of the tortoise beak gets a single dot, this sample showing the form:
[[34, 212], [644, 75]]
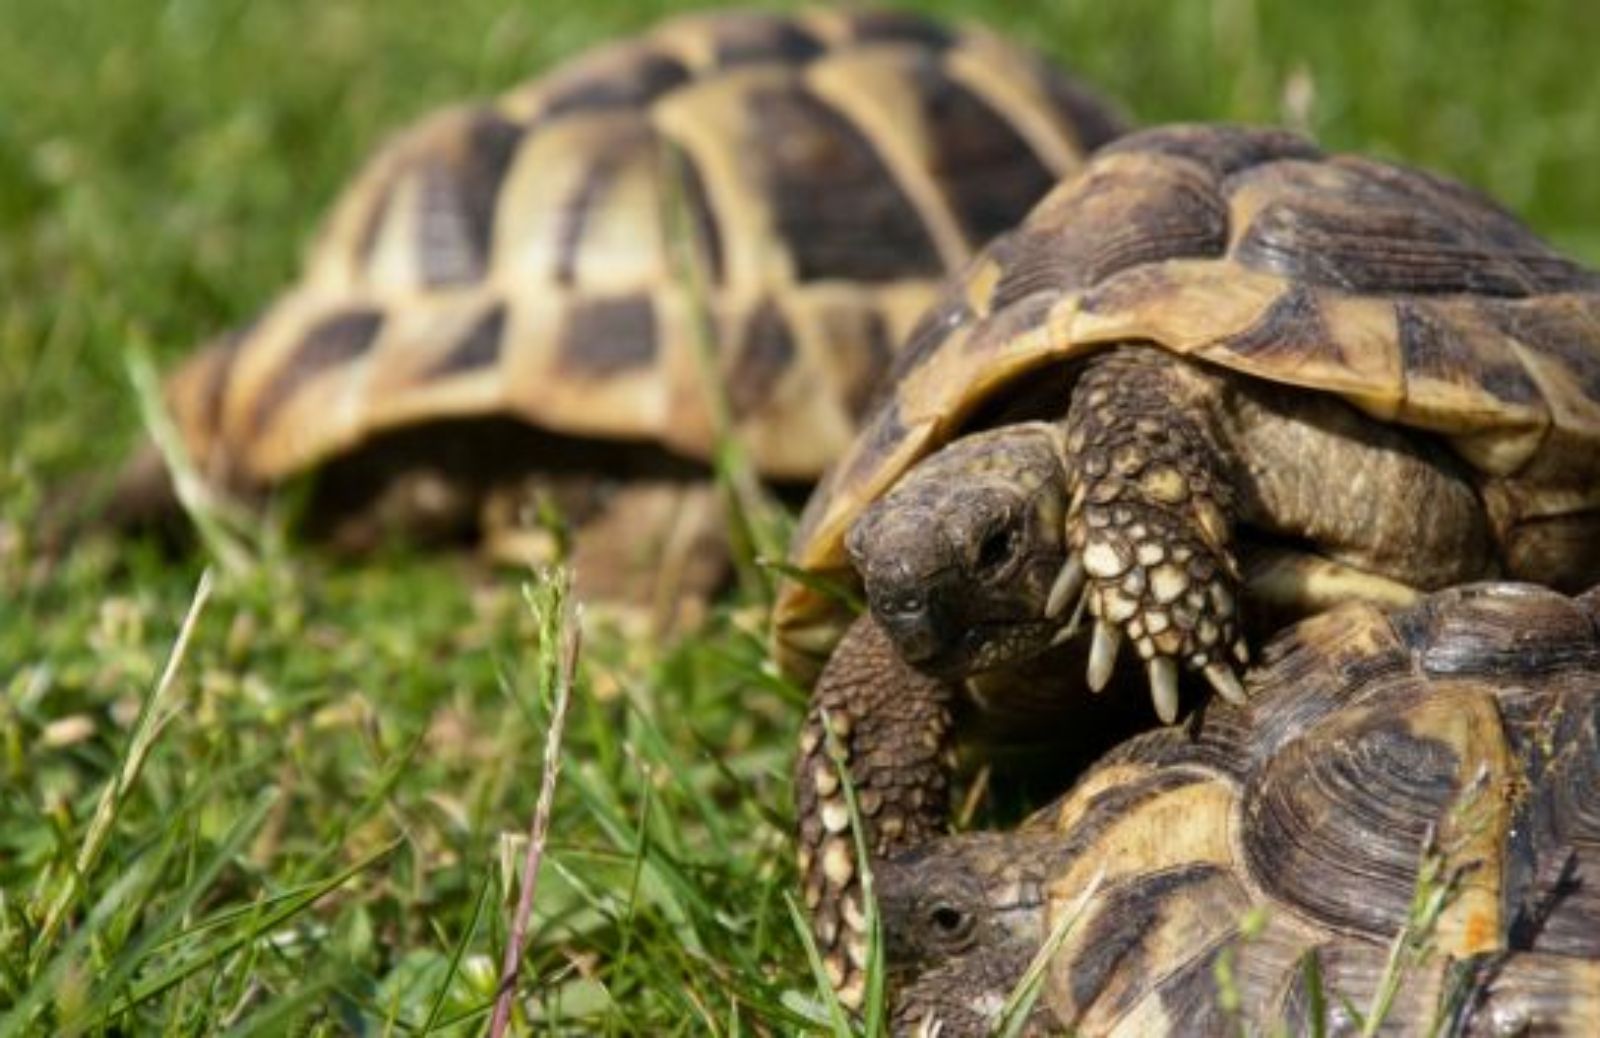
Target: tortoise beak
[[923, 633], [913, 631]]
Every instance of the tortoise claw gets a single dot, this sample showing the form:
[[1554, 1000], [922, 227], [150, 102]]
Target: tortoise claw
[[1068, 586], [1226, 682], [1163, 671], [1103, 654], [1070, 630]]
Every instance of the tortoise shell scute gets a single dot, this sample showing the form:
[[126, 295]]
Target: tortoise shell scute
[[782, 191], [1415, 299], [1222, 149]]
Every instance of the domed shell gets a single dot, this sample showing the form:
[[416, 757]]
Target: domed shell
[[1414, 298], [781, 191], [1472, 720], [1452, 748]]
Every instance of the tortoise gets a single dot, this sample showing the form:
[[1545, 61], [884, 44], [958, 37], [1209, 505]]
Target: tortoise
[[1451, 748], [535, 288], [1215, 377]]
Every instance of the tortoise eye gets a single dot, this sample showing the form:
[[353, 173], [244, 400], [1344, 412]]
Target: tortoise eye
[[997, 548], [949, 923]]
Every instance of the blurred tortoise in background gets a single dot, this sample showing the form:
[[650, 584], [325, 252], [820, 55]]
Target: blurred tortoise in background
[[1217, 368], [523, 293], [1466, 726]]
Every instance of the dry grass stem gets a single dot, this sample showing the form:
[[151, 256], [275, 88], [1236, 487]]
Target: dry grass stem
[[565, 618]]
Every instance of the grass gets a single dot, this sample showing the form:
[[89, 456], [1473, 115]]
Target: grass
[[315, 836]]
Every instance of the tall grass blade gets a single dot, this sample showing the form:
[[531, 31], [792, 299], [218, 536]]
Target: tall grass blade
[[20, 1019], [457, 953], [757, 527], [153, 716], [132, 958], [835, 1016], [221, 524]]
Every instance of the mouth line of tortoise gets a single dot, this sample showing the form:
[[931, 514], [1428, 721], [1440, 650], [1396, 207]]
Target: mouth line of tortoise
[[963, 658]]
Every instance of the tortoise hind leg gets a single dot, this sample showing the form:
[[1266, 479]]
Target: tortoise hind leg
[[1561, 551], [1352, 509], [892, 725], [1151, 522], [652, 551], [416, 506], [1354, 489], [1287, 585]]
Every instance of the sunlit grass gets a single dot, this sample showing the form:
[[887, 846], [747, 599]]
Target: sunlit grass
[[315, 839]]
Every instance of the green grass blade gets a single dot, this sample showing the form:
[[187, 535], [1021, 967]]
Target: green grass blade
[[1316, 993], [134, 956], [141, 876], [457, 953], [153, 715], [811, 581], [293, 907], [1019, 1004], [276, 1018], [836, 1018]]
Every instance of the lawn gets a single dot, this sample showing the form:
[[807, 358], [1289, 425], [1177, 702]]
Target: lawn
[[312, 827]]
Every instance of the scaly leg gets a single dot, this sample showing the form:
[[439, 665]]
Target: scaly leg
[[892, 725], [1151, 522]]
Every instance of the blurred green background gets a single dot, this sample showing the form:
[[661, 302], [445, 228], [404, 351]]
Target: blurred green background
[[162, 162]]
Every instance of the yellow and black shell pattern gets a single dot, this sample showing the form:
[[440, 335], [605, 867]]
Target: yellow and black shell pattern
[[770, 198], [1432, 772], [1414, 298], [1456, 738]]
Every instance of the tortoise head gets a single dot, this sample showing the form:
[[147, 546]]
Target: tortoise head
[[962, 918], [960, 557]]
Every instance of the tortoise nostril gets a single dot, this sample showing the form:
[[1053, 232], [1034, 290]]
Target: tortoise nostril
[[898, 604], [909, 605], [912, 630]]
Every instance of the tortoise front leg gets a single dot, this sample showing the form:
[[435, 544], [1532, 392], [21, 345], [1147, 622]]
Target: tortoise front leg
[[892, 725], [1150, 522]]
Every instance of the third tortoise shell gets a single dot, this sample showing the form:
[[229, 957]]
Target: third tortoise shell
[[1468, 725]]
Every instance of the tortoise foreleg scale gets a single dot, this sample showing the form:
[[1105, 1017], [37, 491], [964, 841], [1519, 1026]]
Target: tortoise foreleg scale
[[891, 728], [1151, 517]]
